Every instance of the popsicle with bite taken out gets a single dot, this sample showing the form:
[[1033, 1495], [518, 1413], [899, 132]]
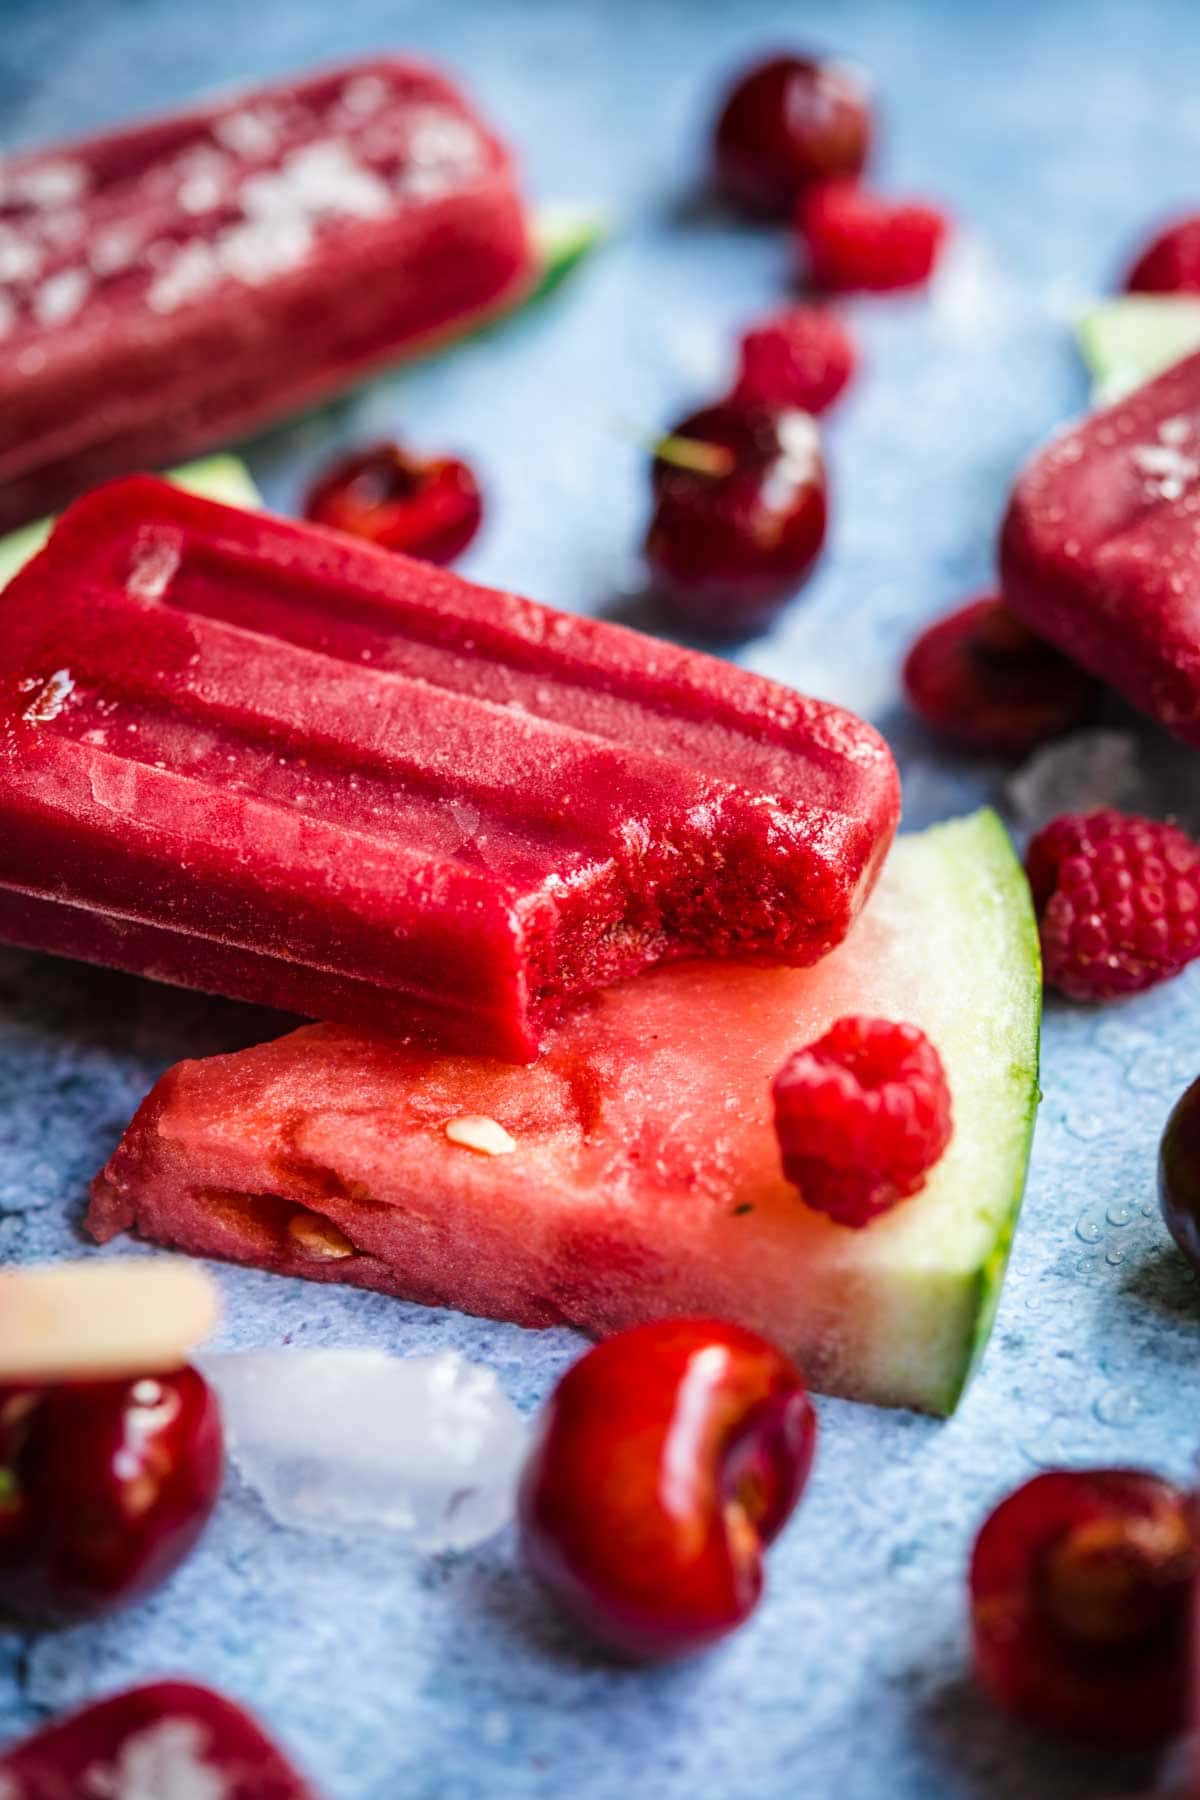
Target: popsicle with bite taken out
[[270, 761]]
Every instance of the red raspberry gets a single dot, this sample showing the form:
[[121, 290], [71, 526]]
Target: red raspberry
[[802, 356], [857, 239], [1118, 902], [980, 679], [862, 1116], [1170, 263]]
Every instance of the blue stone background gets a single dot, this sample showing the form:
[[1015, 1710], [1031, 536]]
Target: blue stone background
[[1055, 133]]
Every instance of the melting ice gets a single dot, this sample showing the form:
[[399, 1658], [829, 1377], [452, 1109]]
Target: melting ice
[[428, 1446], [1078, 773]]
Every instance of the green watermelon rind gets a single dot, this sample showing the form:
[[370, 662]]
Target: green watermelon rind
[[1129, 339], [990, 856]]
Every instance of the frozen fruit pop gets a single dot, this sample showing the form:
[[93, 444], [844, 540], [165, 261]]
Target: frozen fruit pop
[[177, 283], [168, 1738], [1100, 550], [633, 1172], [275, 762]]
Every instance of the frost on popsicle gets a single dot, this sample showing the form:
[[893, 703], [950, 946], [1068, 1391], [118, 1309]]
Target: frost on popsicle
[[427, 1446]]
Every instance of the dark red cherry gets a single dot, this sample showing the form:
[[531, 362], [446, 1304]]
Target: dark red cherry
[[739, 516], [104, 1488], [669, 1457], [1080, 1602], [786, 123], [429, 507], [1179, 1173]]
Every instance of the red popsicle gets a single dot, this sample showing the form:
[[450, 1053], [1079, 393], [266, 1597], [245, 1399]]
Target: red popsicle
[[178, 283], [169, 1738], [269, 760], [1100, 550]]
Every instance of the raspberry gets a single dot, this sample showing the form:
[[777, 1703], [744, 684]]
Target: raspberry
[[1170, 263], [982, 681], [862, 1115], [1118, 902], [857, 239], [799, 357]]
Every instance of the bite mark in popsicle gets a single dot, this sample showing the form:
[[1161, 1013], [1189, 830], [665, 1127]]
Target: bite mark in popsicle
[[293, 768]]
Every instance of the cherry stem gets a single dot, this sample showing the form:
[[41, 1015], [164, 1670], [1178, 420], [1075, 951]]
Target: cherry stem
[[693, 454]]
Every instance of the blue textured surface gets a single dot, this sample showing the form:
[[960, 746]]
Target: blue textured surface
[[1054, 133]]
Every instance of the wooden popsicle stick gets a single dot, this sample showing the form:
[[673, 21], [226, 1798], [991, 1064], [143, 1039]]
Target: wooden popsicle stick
[[102, 1318]]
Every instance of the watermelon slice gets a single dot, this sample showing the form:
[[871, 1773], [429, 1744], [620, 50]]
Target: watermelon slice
[[633, 1172], [1129, 340]]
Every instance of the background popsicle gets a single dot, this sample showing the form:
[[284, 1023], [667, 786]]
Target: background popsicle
[[170, 285], [1099, 551]]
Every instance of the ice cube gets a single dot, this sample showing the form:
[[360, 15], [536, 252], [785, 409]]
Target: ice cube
[[428, 1446], [1078, 773]]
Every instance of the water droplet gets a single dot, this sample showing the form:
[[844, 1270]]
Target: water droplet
[[1087, 1125], [1117, 1406], [1116, 1038], [1115, 1254], [1089, 1228], [1119, 1213], [1149, 1074], [1067, 1442], [1148, 1209], [1085, 1265]]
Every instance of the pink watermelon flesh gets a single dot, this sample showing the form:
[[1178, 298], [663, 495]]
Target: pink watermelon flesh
[[645, 1179]]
